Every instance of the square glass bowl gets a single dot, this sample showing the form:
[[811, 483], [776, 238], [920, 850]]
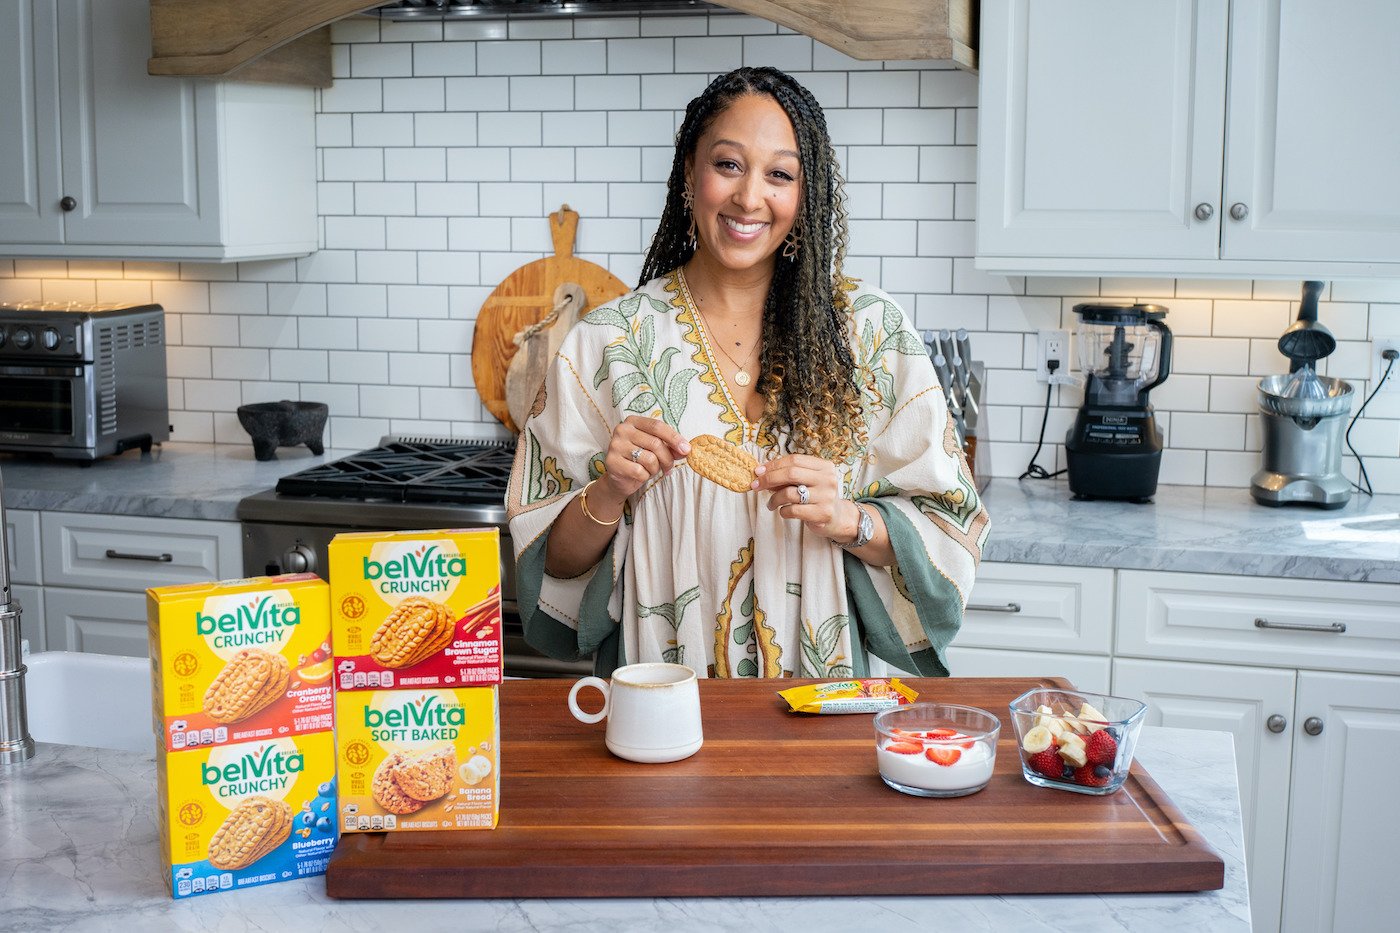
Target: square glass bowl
[[1075, 741], [936, 749]]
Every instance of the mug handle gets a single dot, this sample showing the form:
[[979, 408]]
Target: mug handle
[[603, 688]]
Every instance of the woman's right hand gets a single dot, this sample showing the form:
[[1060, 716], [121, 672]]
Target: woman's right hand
[[657, 446]]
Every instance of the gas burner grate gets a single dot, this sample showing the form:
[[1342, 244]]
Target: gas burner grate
[[413, 470]]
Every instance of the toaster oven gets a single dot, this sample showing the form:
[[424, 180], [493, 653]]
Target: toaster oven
[[82, 381]]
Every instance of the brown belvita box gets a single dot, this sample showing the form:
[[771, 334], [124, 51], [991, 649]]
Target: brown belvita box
[[416, 609]]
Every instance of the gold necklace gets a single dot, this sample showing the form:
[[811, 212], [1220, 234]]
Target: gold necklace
[[741, 377]]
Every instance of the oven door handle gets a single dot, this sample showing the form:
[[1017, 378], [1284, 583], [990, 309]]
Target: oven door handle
[[41, 372]]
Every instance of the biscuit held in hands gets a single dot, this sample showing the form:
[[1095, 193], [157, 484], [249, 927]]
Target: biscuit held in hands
[[721, 462]]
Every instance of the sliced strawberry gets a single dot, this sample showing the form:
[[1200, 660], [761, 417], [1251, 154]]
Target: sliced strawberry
[[942, 756], [940, 734], [904, 748]]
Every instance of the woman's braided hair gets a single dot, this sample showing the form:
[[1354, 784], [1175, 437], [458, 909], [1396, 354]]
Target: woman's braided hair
[[806, 370]]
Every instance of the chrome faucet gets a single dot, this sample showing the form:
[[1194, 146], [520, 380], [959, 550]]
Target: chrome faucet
[[15, 743]]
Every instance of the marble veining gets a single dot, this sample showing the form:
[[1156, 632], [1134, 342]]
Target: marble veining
[[1186, 528], [79, 851]]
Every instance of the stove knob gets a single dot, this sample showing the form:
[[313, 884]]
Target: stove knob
[[23, 338], [3, 335], [298, 559], [50, 338]]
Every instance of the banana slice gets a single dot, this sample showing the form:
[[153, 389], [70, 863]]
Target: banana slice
[[1088, 712], [1037, 739], [1072, 749]]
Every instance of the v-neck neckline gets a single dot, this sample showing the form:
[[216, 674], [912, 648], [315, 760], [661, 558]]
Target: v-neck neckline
[[711, 361]]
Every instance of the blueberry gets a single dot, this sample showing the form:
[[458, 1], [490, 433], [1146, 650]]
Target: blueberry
[[307, 818], [1068, 773], [323, 824], [327, 789], [1103, 771]]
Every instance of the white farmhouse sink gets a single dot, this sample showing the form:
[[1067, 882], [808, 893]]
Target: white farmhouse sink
[[100, 700]]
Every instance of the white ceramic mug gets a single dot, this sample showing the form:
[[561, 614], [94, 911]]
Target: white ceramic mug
[[653, 711]]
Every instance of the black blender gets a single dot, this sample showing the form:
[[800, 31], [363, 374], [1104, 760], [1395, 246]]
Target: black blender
[[1114, 450]]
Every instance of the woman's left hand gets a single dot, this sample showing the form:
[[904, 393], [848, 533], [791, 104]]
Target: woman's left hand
[[809, 489]]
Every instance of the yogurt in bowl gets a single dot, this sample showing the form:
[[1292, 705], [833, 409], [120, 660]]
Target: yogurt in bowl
[[936, 749]]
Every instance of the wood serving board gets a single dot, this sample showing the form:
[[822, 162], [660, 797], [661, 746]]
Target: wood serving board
[[523, 298], [774, 804]]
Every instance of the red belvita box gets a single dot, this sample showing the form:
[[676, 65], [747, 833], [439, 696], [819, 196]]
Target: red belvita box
[[416, 609]]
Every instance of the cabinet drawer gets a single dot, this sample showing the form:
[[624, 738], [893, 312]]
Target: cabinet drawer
[[1260, 620], [22, 537], [1086, 673], [1035, 606], [118, 552], [103, 623]]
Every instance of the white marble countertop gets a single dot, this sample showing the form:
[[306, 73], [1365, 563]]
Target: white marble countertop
[[79, 852], [1186, 528]]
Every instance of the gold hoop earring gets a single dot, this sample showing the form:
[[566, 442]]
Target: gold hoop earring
[[792, 243], [688, 199]]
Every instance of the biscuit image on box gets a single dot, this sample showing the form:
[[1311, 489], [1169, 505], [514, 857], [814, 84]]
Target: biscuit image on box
[[417, 629], [721, 462], [251, 681], [406, 783], [252, 829]]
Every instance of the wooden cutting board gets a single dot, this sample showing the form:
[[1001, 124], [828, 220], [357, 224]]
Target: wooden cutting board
[[524, 298], [774, 804]]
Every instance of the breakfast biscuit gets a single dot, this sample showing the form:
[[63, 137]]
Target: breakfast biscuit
[[415, 630], [428, 776], [252, 680], [253, 829], [386, 790], [721, 462]]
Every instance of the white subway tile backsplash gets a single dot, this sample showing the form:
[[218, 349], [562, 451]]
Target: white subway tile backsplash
[[478, 94], [425, 30], [669, 92], [919, 127], [1207, 355], [545, 164], [512, 57], [948, 163], [388, 401], [415, 233], [210, 394], [1201, 431], [883, 89], [641, 56], [710, 54], [328, 333], [449, 268], [1233, 393], [1251, 318], [917, 201], [900, 273], [618, 234], [352, 164], [536, 92], [947, 238], [419, 369], [124, 291], [327, 265], [41, 268], [509, 129], [608, 163], [280, 332], [353, 95], [235, 298], [637, 128], [373, 266], [947, 88], [444, 59], [510, 199], [1265, 358], [361, 367], [390, 334], [539, 29], [574, 57], [444, 129], [385, 198], [83, 290], [590, 199], [356, 300], [450, 199], [478, 164], [333, 129], [608, 92], [336, 197], [414, 94], [241, 363], [674, 25], [1022, 313], [381, 60], [882, 163], [188, 362], [635, 200], [884, 237]]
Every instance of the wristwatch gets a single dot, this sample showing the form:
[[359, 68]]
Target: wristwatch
[[865, 530]]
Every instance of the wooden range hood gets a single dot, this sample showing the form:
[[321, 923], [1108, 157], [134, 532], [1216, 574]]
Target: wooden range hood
[[286, 42]]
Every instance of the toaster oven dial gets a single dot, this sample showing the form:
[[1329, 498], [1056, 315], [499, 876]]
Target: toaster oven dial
[[298, 559], [23, 338], [50, 338]]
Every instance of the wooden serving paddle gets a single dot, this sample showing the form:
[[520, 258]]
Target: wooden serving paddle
[[524, 298]]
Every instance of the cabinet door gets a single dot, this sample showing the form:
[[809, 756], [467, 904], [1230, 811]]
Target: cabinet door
[[139, 152], [96, 621], [1238, 700], [132, 552], [1084, 671], [31, 615], [1343, 822], [29, 168], [1313, 131], [1100, 128]]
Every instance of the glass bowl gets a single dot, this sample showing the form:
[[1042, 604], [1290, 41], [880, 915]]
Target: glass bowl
[[1075, 741], [936, 749]]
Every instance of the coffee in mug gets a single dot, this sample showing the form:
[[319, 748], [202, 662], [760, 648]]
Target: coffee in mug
[[653, 711]]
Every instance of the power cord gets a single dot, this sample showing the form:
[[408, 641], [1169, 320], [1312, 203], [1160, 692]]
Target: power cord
[[1390, 356], [1033, 469]]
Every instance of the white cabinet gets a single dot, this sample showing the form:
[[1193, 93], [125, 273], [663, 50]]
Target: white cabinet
[[1289, 668], [96, 569], [1189, 137], [22, 542], [99, 159]]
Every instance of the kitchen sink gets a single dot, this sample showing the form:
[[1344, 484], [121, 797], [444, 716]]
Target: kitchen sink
[[99, 700]]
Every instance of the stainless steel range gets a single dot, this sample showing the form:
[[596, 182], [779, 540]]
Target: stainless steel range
[[404, 484]]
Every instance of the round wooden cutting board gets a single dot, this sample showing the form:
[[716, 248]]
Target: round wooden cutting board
[[526, 297]]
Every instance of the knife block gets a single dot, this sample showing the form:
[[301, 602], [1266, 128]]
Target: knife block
[[979, 458]]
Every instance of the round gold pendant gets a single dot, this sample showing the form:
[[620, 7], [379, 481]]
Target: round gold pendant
[[742, 378]]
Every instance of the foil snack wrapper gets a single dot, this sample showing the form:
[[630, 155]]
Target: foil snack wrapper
[[870, 695]]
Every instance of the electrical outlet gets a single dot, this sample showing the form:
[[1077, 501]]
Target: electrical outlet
[[1053, 345], [1379, 364]]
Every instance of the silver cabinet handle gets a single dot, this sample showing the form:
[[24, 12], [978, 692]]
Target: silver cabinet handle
[[1337, 627], [1276, 723], [1312, 725], [1007, 607], [1239, 211], [121, 555], [1204, 211]]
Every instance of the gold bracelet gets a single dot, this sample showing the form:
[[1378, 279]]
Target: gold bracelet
[[583, 502]]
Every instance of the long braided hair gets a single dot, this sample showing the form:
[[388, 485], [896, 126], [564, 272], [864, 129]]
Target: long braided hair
[[806, 370]]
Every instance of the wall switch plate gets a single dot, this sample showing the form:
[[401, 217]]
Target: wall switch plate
[[1053, 345], [1379, 363]]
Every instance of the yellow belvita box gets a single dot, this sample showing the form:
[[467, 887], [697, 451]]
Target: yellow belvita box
[[239, 660], [235, 816], [418, 759], [416, 608]]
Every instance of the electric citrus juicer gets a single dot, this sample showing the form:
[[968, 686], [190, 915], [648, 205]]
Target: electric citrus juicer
[[1114, 450]]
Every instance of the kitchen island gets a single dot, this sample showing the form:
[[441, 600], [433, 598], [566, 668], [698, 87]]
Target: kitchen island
[[79, 851]]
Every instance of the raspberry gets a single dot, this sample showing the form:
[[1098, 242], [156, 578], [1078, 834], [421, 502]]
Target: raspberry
[[1093, 775], [1046, 762], [1100, 749]]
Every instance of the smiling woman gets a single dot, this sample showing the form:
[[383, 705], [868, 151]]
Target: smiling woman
[[825, 510]]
